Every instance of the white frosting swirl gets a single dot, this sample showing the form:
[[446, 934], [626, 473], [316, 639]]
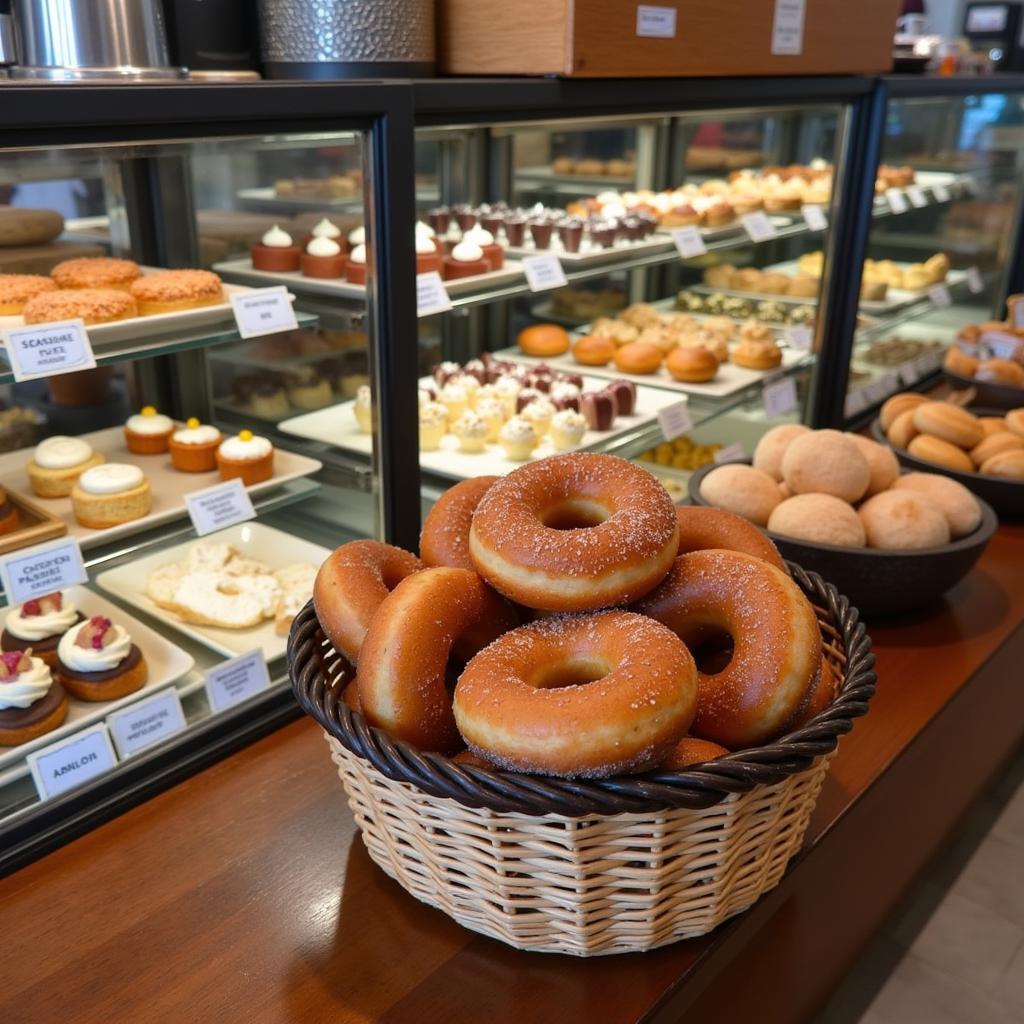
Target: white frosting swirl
[[203, 434], [424, 230], [88, 659], [358, 254], [357, 236], [478, 234], [111, 478], [467, 252], [255, 448], [425, 244], [321, 245], [28, 687], [518, 429], [155, 423], [61, 452], [277, 238], [33, 628], [325, 229]]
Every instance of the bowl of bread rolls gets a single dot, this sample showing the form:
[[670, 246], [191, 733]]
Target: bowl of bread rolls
[[983, 449], [839, 504], [989, 357]]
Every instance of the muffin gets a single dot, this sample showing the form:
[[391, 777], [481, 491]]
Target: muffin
[[148, 432], [111, 494], [57, 463], [246, 456], [194, 448]]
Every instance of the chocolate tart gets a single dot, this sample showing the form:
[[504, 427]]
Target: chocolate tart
[[127, 677], [19, 725], [45, 650]]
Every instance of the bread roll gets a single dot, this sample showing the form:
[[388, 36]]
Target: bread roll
[[772, 446], [941, 453], [743, 490], [949, 422], [897, 404], [882, 463], [818, 519], [22, 226], [826, 462], [903, 520], [961, 509]]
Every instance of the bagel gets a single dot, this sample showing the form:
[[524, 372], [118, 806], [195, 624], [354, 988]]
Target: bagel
[[444, 539]]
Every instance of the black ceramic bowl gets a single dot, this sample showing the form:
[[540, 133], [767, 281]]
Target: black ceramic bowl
[[882, 582], [994, 396], [1005, 496]]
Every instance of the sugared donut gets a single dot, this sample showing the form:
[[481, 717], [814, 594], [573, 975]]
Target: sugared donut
[[772, 446], [403, 666], [818, 519], [820, 694], [701, 528], [350, 586], [775, 636], [445, 536], [350, 695], [743, 490], [690, 751], [882, 463], [903, 521], [582, 696], [826, 462], [574, 532]]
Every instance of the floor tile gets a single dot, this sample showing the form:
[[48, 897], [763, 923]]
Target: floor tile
[[1010, 988], [995, 879], [1010, 824], [849, 1002]]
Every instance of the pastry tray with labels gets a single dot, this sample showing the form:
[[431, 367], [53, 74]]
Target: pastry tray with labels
[[709, 234], [591, 254]]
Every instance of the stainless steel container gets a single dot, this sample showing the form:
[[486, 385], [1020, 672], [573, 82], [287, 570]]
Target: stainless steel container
[[347, 38], [91, 39]]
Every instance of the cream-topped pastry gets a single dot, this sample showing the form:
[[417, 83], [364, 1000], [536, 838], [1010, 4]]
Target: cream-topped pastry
[[61, 452], [467, 252], [471, 430], [111, 478], [195, 432], [111, 494], [424, 230], [358, 254], [322, 245], [567, 429], [41, 618], [57, 463], [276, 238], [424, 244], [492, 412], [519, 438], [247, 456], [357, 236], [246, 445], [149, 421], [194, 446], [454, 398], [23, 680], [325, 229], [433, 418], [86, 649], [480, 236], [31, 703], [539, 413]]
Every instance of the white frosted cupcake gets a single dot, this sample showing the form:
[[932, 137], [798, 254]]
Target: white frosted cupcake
[[433, 425], [492, 412], [469, 384], [363, 409], [484, 392], [455, 399], [567, 429], [471, 430], [518, 438], [539, 413], [508, 389]]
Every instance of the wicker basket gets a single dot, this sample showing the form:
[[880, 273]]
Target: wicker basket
[[586, 867]]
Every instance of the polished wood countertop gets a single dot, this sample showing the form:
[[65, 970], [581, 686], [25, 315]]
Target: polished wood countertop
[[243, 894]]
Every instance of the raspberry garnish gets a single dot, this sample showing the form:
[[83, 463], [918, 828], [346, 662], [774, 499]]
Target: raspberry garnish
[[92, 634], [31, 608]]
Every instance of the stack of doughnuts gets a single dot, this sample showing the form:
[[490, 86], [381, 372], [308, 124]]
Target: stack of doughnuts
[[569, 620], [843, 490]]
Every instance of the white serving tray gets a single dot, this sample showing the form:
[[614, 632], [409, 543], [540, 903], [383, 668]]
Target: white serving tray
[[778, 220], [337, 426], [169, 486], [253, 540], [591, 254], [167, 663]]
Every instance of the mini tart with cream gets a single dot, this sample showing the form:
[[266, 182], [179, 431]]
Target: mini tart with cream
[[323, 258], [148, 431], [493, 253], [111, 494], [325, 228], [427, 256], [57, 463], [38, 625], [247, 456], [97, 660], [275, 252], [31, 703], [355, 271], [465, 260], [10, 518], [170, 291], [194, 447]]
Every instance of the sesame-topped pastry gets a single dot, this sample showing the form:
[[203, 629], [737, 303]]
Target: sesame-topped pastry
[[194, 447], [31, 703], [96, 272], [38, 624], [98, 661], [170, 291], [91, 305], [57, 463], [148, 432], [111, 494], [17, 289], [275, 252], [323, 258], [247, 456]]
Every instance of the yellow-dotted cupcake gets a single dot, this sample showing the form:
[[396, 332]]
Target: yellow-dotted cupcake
[[247, 456], [433, 425], [148, 432], [471, 430], [518, 438]]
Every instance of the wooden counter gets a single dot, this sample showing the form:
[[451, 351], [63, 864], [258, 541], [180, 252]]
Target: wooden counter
[[241, 894]]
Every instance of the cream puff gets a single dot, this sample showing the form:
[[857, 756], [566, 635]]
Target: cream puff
[[31, 703], [97, 660], [111, 494], [57, 463]]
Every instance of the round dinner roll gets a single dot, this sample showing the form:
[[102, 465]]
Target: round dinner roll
[[818, 519], [994, 425], [942, 453], [962, 511], [826, 462], [741, 489], [949, 422], [903, 521], [899, 404], [882, 463], [903, 431], [770, 449], [993, 444], [1008, 465], [1014, 421]]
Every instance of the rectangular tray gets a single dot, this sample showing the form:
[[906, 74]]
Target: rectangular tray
[[779, 220], [37, 525], [590, 255], [168, 484], [254, 540]]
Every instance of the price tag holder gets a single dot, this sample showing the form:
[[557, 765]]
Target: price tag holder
[[220, 506], [916, 196], [689, 241], [800, 337], [41, 570], [46, 349], [975, 284], [543, 272], [1001, 344], [779, 397], [814, 217], [674, 419], [72, 762], [939, 294], [146, 722], [758, 226], [941, 193], [264, 311], [897, 200], [237, 680], [431, 295], [730, 453], [656, 22]]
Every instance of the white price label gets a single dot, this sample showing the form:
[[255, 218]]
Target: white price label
[[731, 453], [1001, 344], [814, 217], [46, 349], [237, 680], [975, 284], [431, 294], [674, 420], [42, 570], [656, 22], [909, 374], [146, 722], [939, 294], [264, 311], [72, 762], [689, 241], [543, 272], [941, 193], [788, 28], [916, 196], [220, 506], [897, 200], [800, 336], [856, 402], [779, 397], [758, 226]]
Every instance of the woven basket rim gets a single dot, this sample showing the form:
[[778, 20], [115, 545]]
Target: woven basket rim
[[318, 682]]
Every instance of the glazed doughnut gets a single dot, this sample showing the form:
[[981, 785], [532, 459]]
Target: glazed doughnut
[[899, 404], [775, 634], [581, 696], [772, 446], [350, 586], [403, 667], [575, 532], [903, 431], [689, 751], [445, 536], [543, 340], [701, 527], [638, 357], [1014, 421], [948, 422], [593, 351], [940, 452], [743, 490]]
